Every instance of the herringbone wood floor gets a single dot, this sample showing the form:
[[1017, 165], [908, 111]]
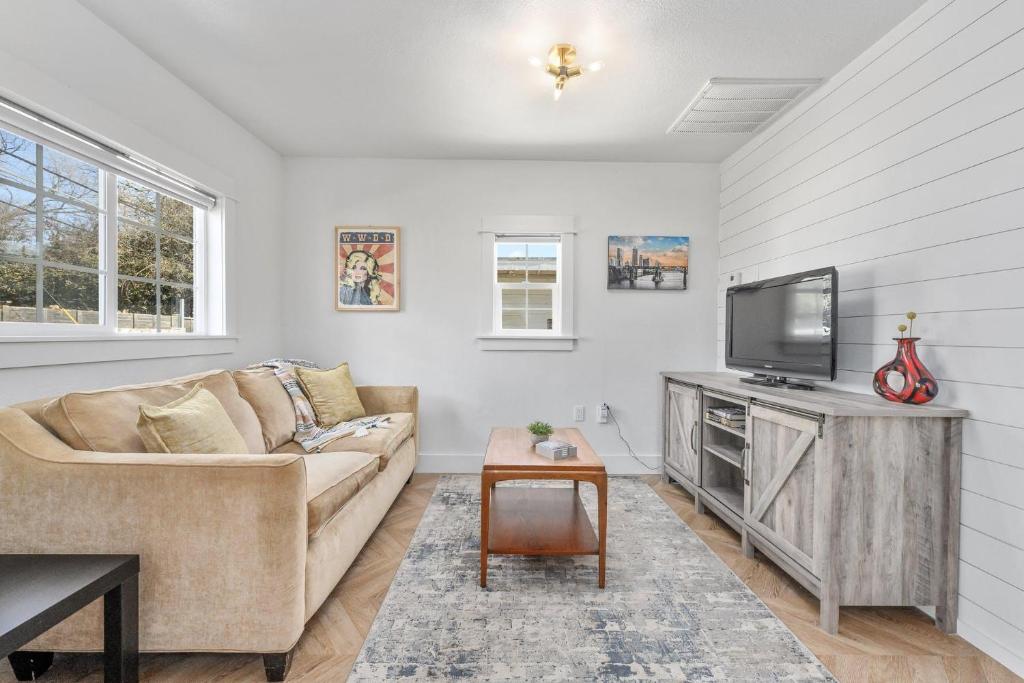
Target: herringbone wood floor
[[873, 644], [884, 645]]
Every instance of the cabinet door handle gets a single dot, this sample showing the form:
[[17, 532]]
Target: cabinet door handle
[[747, 461], [693, 433]]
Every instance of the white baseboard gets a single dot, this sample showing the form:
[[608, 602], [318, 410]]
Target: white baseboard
[[986, 643], [472, 463], [1011, 660]]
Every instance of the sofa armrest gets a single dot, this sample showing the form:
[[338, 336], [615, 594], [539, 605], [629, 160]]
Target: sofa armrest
[[381, 400], [222, 538]]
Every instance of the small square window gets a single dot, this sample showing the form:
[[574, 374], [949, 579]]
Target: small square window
[[527, 268], [526, 283]]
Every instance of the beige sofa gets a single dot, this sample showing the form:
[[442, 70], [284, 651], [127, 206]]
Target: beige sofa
[[237, 551]]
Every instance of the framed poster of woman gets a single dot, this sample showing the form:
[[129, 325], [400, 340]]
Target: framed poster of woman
[[366, 268]]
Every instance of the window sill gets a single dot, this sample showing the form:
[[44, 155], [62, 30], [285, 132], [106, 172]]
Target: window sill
[[547, 342], [36, 351]]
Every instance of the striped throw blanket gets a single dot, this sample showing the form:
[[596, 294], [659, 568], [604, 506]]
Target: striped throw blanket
[[308, 432]]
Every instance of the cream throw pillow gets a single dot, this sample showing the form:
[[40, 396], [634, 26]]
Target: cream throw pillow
[[332, 393], [194, 423]]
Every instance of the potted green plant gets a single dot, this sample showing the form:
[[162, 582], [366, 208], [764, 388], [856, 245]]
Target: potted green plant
[[539, 431]]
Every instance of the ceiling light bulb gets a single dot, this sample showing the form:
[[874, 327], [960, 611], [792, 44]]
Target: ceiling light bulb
[[562, 66]]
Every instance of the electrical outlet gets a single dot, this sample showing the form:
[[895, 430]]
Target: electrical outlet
[[579, 413], [602, 413]]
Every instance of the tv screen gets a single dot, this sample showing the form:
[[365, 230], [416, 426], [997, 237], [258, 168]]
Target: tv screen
[[784, 326]]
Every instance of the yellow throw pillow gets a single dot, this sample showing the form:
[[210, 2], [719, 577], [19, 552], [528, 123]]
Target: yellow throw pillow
[[332, 394], [194, 423]]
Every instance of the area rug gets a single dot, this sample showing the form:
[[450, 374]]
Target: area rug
[[671, 610]]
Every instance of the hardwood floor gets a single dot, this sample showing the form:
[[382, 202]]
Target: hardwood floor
[[890, 645], [873, 644]]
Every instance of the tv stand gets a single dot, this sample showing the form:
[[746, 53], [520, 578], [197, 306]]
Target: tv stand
[[856, 498], [776, 381]]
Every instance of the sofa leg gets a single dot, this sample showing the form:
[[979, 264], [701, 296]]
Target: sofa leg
[[409, 480], [277, 665], [28, 666]]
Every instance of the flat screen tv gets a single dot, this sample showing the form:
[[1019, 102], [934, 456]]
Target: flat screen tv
[[784, 328]]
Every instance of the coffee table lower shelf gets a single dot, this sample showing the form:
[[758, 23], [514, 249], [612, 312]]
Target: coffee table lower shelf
[[539, 521], [531, 520]]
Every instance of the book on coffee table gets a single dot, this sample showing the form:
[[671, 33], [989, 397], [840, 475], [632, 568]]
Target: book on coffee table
[[556, 450]]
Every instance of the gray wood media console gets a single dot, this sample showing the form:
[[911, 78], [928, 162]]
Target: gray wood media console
[[855, 497]]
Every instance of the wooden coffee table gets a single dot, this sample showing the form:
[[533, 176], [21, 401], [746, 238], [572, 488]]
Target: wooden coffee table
[[540, 521]]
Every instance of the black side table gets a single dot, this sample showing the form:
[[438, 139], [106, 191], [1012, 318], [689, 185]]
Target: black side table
[[37, 592]]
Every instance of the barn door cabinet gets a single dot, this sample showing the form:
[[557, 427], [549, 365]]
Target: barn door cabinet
[[856, 498], [786, 460], [682, 433]]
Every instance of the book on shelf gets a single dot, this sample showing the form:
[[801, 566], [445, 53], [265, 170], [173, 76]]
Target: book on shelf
[[728, 411], [729, 416], [736, 424]]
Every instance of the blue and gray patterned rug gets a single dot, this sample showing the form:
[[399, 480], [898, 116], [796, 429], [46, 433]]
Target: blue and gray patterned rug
[[671, 611]]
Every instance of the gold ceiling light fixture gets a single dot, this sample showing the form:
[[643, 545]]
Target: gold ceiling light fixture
[[561, 64]]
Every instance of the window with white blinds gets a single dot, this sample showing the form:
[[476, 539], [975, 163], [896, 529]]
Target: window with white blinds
[[88, 249]]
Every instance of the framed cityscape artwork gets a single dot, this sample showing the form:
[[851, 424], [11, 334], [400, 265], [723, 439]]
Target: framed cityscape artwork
[[366, 268], [648, 262]]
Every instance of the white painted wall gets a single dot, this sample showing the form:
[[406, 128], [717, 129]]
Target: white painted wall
[[65, 62], [625, 337], [906, 170]]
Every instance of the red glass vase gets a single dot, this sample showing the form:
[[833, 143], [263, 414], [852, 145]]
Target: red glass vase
[[919, 385]]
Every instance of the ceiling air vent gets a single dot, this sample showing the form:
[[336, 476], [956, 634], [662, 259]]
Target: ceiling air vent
[[740, 105]]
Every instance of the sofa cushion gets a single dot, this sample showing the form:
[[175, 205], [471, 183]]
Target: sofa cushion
[[105, 420], [332, 394], [332, 479], [381, 441], [194, 423], [273, 406]]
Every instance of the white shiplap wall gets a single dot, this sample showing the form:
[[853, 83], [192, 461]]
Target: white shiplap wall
[[906, 171]]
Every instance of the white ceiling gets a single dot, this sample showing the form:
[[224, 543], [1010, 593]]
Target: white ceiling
[[450, 78]]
